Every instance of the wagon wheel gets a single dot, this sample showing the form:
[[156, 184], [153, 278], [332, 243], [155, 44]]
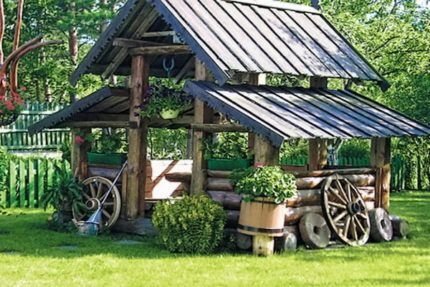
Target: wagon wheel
[[96, 188], [345, 211]]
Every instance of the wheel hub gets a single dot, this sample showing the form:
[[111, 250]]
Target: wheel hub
[[354, 208], [93, 204]]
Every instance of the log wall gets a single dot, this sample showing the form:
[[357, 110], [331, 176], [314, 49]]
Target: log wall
[[308, 198]]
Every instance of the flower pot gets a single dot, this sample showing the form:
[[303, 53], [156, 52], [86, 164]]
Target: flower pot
[[106, 158], [262, 217], [228, 164], [169, 114]]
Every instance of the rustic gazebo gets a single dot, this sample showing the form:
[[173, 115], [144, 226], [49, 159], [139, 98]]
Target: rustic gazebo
[[228, 47]]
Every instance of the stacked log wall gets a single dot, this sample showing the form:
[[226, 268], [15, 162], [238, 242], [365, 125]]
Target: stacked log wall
[[308, 198]]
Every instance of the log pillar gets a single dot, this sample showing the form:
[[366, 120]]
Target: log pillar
[[202, 115], [255, 79], [79, 160], [137, 138], [318, 154], [381, 159]]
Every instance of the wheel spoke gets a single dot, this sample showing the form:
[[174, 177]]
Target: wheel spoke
[[335, 204], [106, 214], [108, 203], [93, 190], [87, 197], [348, 192], [362, 215], [354, 230], [340, 189], [359, 224], [336, 194], [99, 190], [340, 216], [346, 227]]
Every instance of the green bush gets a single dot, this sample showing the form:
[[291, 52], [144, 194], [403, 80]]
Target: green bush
[[192, 225], [268, 181]]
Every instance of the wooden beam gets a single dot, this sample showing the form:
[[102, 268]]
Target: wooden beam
[[137, 138], [380, 159], [184, 121], [186, 69], [158, 34], [132, 43], [94, 124], [318, 154], [254, 79], [86, 117], [318, 83], [265, 152], [218, 128], [202, 115], [148, 20], [161, 50]]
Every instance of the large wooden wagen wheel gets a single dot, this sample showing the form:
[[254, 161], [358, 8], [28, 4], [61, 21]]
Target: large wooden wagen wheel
[[345, 211], [96, 188]]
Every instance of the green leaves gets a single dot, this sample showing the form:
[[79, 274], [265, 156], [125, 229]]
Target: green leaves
[[269, 181], [192, 225]]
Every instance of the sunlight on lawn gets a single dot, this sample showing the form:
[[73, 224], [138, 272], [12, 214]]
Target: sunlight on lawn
[[32, 255]]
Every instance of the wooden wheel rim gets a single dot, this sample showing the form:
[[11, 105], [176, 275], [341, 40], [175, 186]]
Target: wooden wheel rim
[[96, 188], [345, 211]]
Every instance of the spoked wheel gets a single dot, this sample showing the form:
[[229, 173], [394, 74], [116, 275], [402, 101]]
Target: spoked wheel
[[97, 187], [345, 211]]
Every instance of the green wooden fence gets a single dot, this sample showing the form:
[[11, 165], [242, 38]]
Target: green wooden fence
[[26, 181], [15, 137]]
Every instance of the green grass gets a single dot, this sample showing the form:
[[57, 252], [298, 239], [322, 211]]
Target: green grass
[[37, 259]]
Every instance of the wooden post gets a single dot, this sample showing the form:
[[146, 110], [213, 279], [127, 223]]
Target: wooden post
[[79, 153], [318, 154], [202, 115], [137, 138], [380, 159], [255, 79]]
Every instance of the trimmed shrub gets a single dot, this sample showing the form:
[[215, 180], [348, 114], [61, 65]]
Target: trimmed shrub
[[191, 225]]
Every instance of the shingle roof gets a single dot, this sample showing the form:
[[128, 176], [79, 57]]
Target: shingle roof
[[281, 113], [232, 36]]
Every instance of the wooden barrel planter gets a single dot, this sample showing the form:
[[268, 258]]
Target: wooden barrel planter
[[262, 217]]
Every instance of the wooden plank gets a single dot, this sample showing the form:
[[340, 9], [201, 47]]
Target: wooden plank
[[161, 50], [95, 124], [158, 34], [22, 184], [13, 188], [41, 173], [132, 43], [318, 154], [31, 184]]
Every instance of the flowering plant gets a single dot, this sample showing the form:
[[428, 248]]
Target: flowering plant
[[10, 106], [160, 98]]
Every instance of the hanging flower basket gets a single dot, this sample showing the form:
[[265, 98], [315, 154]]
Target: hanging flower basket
[[8, 118]]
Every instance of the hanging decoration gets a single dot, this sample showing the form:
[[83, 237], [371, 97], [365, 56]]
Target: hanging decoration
[[11, 103]]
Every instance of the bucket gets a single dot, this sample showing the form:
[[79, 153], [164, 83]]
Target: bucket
[[262, 217]]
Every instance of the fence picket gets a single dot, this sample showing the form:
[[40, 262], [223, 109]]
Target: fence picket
[[41, 172], [12, 185], [31, 184]]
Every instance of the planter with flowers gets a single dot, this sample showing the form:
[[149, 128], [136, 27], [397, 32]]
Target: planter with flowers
[[264, 191], [164, 102], [107, 148]]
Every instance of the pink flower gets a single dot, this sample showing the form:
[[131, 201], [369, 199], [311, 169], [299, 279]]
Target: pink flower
[[23, 89], [9, 105], [1, 111], [79, 140]]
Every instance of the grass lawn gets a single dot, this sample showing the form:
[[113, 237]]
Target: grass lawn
[[32, 255]]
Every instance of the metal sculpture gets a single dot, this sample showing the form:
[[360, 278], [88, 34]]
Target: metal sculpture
[[9, 92]]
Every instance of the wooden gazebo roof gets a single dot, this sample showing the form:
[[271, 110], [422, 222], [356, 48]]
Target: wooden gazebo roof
[[280, 113], [229, 36]]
